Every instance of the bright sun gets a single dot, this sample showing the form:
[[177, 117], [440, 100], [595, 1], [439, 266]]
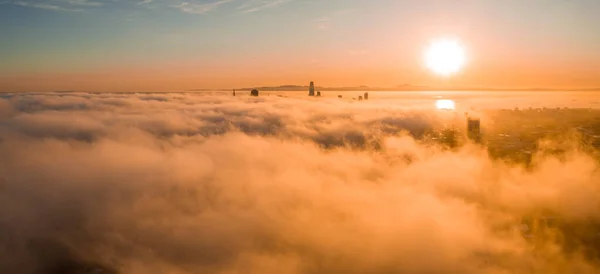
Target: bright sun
[[445, 57]]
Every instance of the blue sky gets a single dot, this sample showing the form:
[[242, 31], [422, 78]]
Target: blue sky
[[264, 42]]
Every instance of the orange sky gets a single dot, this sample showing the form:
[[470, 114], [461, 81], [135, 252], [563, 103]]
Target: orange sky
[[220, 44]]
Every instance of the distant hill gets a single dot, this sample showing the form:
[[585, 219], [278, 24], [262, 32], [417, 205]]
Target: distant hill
[[404, 87], [321, 88]]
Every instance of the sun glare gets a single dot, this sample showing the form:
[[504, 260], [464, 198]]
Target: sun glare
[[445, 57], [444, 104]]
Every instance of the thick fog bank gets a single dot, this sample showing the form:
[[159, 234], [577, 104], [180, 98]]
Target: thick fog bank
[[187, 183]]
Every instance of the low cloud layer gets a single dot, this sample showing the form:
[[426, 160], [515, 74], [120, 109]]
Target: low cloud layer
[[208, 183]]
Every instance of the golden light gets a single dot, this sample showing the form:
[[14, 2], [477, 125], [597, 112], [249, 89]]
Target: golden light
[[445, 57], [444, 104]]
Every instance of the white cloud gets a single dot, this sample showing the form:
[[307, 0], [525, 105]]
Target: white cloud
[[59, 5], [186, 6], [45, 6], [256, 5], [84, 3], [196, 8]]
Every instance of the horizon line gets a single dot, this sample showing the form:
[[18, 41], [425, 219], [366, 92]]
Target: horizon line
[[291, 88]]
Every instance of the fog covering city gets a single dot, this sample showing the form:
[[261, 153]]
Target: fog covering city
[[210, 183]]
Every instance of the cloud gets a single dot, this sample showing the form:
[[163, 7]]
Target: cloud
[[192, 6], [40, 5], [256, 5], [209, 183], [203, 8], [84, 3], [59, 5]]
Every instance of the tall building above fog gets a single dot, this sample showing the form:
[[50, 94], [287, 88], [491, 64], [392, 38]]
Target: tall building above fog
[[311, 89], [474, 129]]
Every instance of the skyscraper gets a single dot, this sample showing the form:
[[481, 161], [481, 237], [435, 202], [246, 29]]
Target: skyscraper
[[473, 129], [311, 89]]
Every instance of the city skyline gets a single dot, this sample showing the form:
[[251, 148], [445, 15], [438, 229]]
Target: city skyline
[[154, 45], [299, 136]]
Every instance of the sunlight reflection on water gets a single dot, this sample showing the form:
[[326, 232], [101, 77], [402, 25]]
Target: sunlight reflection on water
[[444, 104]]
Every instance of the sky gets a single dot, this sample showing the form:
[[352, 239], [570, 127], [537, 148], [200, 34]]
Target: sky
[[163, 45]]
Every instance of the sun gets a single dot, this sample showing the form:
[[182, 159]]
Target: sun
[[445, 57]]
